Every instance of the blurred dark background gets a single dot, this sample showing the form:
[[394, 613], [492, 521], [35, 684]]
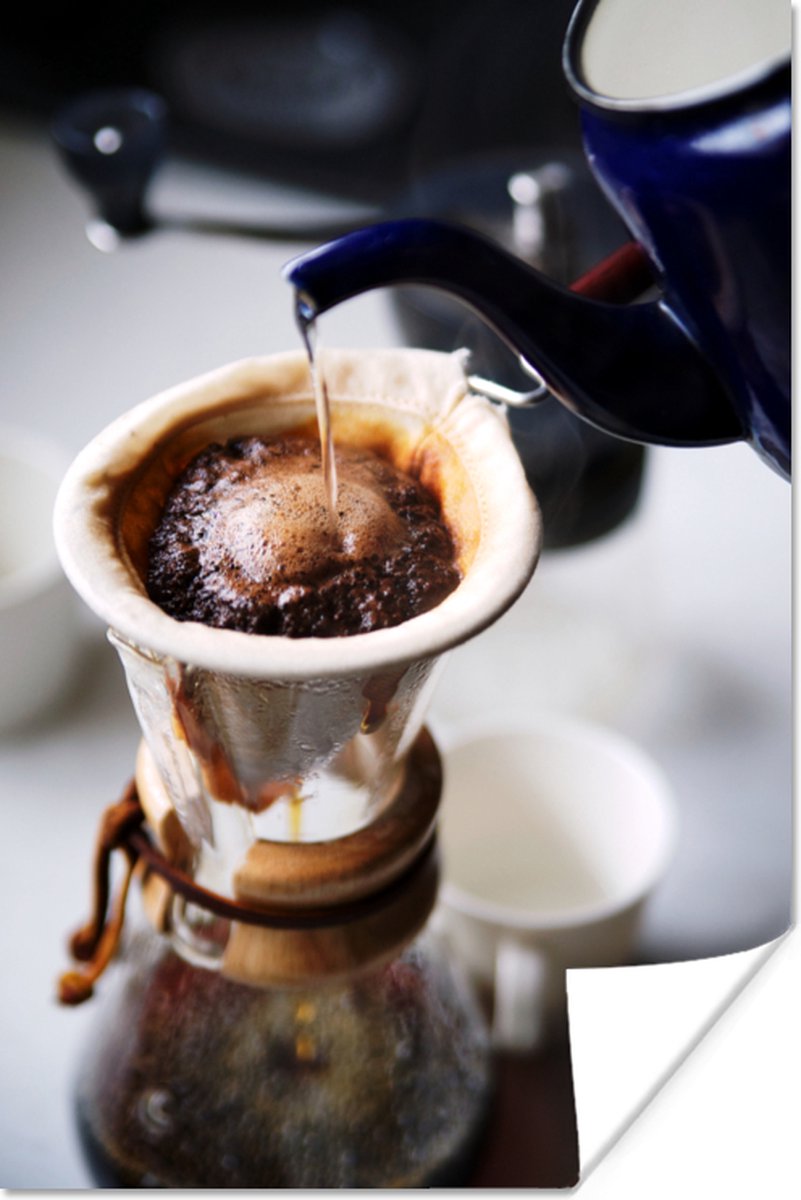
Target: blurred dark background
[[425, 107], [350, 98]]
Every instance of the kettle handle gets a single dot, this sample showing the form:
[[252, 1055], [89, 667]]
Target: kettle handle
[[621, 277]]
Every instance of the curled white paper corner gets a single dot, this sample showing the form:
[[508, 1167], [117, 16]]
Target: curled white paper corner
[[631, 1028]]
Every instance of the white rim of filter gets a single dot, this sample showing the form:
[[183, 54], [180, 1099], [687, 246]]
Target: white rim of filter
[[507, 554]]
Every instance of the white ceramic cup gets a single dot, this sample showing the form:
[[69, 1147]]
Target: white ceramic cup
[[553, 833], [38, 613]]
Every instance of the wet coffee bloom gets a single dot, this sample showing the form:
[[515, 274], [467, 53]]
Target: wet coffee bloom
[[247, 541]]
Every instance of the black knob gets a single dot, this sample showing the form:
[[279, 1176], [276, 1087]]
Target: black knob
[[111, 142]]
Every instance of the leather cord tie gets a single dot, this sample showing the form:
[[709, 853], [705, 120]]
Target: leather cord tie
[[121, 828], [95, 943]]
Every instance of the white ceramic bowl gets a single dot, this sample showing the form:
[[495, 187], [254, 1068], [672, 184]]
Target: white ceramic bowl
[[38, 613]]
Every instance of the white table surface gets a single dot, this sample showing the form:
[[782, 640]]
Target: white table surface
[[675, 630]]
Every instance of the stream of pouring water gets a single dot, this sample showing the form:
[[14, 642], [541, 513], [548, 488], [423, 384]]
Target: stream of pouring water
[[306, 323], [308, 332]]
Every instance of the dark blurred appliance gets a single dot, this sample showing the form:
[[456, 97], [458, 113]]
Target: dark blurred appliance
[[435, 109], [348, 97]]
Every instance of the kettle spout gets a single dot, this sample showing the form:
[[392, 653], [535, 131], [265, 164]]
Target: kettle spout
[[631, 370]]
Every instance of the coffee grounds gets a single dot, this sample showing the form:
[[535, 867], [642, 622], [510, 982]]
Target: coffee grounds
[[247, 541]]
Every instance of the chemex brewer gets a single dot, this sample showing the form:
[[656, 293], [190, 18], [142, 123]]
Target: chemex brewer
[[280, 1014]]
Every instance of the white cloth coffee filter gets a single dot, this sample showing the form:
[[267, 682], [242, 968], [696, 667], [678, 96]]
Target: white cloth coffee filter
[[266, 708]]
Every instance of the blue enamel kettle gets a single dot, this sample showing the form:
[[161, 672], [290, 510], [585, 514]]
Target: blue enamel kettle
[[686, 121]]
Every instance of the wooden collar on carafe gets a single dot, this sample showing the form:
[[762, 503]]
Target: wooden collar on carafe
[[373, 889]]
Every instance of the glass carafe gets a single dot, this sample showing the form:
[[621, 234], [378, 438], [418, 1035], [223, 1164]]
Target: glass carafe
[[331, 1044]]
